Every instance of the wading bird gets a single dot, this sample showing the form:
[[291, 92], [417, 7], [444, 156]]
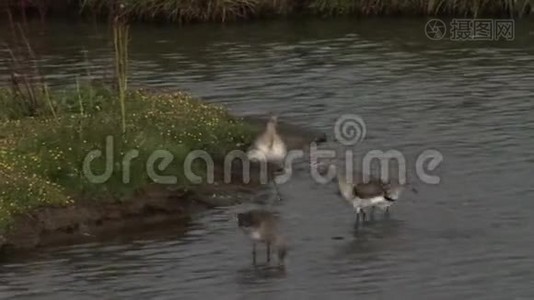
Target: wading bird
[[269, 147], [262, 226], [369, 194]]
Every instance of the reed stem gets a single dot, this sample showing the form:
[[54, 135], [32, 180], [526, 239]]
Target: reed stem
[[120, 42]]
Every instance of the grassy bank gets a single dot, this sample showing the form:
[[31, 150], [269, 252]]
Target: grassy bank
[[46, 135], [222, 11], [41, 156]]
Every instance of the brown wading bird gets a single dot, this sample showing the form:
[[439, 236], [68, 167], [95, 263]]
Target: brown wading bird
[[374, 193], [364, 194], [269, 147], [262, 226]]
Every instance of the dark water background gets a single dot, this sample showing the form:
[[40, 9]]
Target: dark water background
[[471, 236]]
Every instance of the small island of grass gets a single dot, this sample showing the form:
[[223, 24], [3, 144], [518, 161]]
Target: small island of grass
[[81, 159], [43, 144]]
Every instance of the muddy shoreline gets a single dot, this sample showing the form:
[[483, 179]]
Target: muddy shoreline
[[155, 205]]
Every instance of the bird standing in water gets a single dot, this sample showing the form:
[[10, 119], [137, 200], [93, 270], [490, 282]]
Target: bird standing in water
[[374, 193], [269, 147], [262, 226]]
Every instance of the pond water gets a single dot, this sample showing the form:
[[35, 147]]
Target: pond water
[[467, 237]]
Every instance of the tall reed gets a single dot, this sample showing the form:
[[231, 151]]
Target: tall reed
[[225, 10], [28, 85], [184, 11], [120, 43], [463, 8]]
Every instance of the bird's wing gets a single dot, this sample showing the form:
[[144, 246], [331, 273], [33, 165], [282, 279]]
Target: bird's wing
[[368, 190]]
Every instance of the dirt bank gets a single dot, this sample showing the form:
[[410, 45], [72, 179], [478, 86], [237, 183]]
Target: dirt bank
[[89, 220]]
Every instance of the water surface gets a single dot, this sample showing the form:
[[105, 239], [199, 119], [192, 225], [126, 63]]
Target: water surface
[[468, 237]]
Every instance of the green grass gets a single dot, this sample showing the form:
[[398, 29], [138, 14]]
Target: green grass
[[41, 157], [185, 11], [459, 8], [227, 10], [46, 135]]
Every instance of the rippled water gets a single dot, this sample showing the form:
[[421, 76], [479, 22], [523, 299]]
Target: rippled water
[[469, 237]]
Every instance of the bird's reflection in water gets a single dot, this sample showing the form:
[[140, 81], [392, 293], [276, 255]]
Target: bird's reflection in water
[[255, 273], [372, 237], [378, 228]]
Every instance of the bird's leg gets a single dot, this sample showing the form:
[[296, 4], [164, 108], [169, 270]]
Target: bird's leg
[[386, 212], [357, 223], [364, 216], [254, 252], [372, 217], [276, 189], [273, 178], [268, 252]]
